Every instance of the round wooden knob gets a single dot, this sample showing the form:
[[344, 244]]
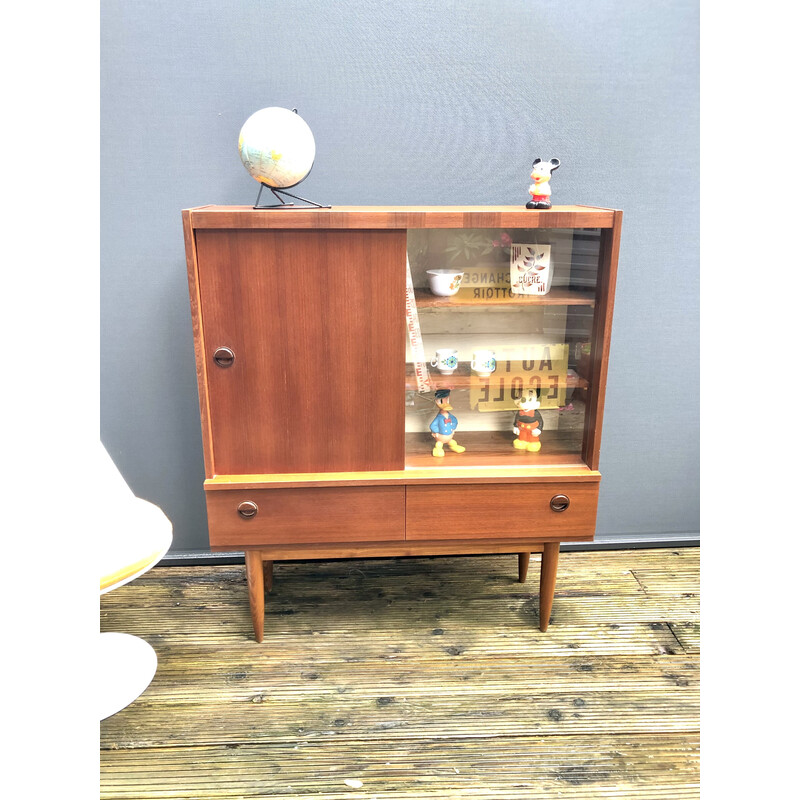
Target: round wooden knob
[[559, 503], [247, 510], [223, 357]]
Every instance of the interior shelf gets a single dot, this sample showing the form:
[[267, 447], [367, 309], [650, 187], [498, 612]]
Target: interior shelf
[[494, 449], [506, 346], [464, 377], [557, 296]]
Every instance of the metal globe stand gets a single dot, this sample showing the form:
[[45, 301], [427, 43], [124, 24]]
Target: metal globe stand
[[283, 203]]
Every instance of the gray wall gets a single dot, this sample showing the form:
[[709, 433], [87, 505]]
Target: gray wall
[[410, 103]]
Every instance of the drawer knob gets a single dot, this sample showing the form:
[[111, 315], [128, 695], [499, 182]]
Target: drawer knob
[[223, 357], [559, 503], [247, 510]]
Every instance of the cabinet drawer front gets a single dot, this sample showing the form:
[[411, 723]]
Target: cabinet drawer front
[[241, 518], [509, 511]]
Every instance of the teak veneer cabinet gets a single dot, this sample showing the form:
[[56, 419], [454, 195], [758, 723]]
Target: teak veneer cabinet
[[315, 399]]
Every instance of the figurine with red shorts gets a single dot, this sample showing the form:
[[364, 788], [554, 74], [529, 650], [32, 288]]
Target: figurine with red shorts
[[539, 190], [528, 422]]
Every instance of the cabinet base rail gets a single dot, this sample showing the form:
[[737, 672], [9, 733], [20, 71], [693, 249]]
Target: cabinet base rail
[[258, 565]]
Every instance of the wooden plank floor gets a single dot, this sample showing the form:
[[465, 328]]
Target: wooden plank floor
[[414, 678]]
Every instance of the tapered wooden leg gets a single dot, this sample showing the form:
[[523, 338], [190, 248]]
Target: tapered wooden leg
[[268, 575], [524, 560], [255, 586], [547, 583]]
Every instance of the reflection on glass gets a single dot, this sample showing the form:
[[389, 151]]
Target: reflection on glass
[[511, 342]]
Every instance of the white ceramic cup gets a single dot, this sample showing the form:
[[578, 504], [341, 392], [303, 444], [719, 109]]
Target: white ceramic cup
[[445, 361], [445, 282], [484, 362]]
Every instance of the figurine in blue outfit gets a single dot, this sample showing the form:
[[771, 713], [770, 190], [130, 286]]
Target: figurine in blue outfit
[[444, 425]]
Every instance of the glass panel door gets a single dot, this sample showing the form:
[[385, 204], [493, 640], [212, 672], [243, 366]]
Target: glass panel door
[[498, 351]]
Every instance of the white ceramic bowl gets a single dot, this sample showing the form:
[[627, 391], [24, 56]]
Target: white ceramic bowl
[[445, 282]]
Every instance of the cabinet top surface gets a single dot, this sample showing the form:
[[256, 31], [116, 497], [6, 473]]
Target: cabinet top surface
[[572, 216]]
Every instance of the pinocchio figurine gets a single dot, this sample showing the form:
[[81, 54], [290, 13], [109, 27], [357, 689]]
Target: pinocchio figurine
[[443, 427], [528, 422]]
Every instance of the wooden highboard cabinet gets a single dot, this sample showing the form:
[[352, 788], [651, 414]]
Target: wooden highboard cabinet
[[314, 334]]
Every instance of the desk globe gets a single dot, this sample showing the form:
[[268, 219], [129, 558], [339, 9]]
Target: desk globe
[[277, 148]]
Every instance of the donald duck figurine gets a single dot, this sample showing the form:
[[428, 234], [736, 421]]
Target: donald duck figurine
[[444, 425]]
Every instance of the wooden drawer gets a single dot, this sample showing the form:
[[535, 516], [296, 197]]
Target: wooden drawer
[[504, 511], [304, 516]]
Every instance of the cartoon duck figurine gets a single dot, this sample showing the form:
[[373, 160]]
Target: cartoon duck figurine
[[443, 427], [528, 422]]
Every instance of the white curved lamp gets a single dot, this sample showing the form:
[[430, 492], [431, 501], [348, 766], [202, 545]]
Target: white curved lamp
[[137, 540]]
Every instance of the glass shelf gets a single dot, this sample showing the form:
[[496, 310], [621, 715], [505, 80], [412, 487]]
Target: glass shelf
[[464, 378], [493, 449], [559, 296]]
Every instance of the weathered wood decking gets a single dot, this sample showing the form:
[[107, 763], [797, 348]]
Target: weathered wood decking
[[414, 678]]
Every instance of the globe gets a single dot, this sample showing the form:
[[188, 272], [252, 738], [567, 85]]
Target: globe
[[277, 147]]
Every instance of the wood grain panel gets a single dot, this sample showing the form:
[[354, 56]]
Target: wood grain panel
[[401, 217], [601, 341], [394, 549], [514, 767], [316, 323], [294, 516], [434, 473], [423, 678], [500, 511], [199, 349]]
